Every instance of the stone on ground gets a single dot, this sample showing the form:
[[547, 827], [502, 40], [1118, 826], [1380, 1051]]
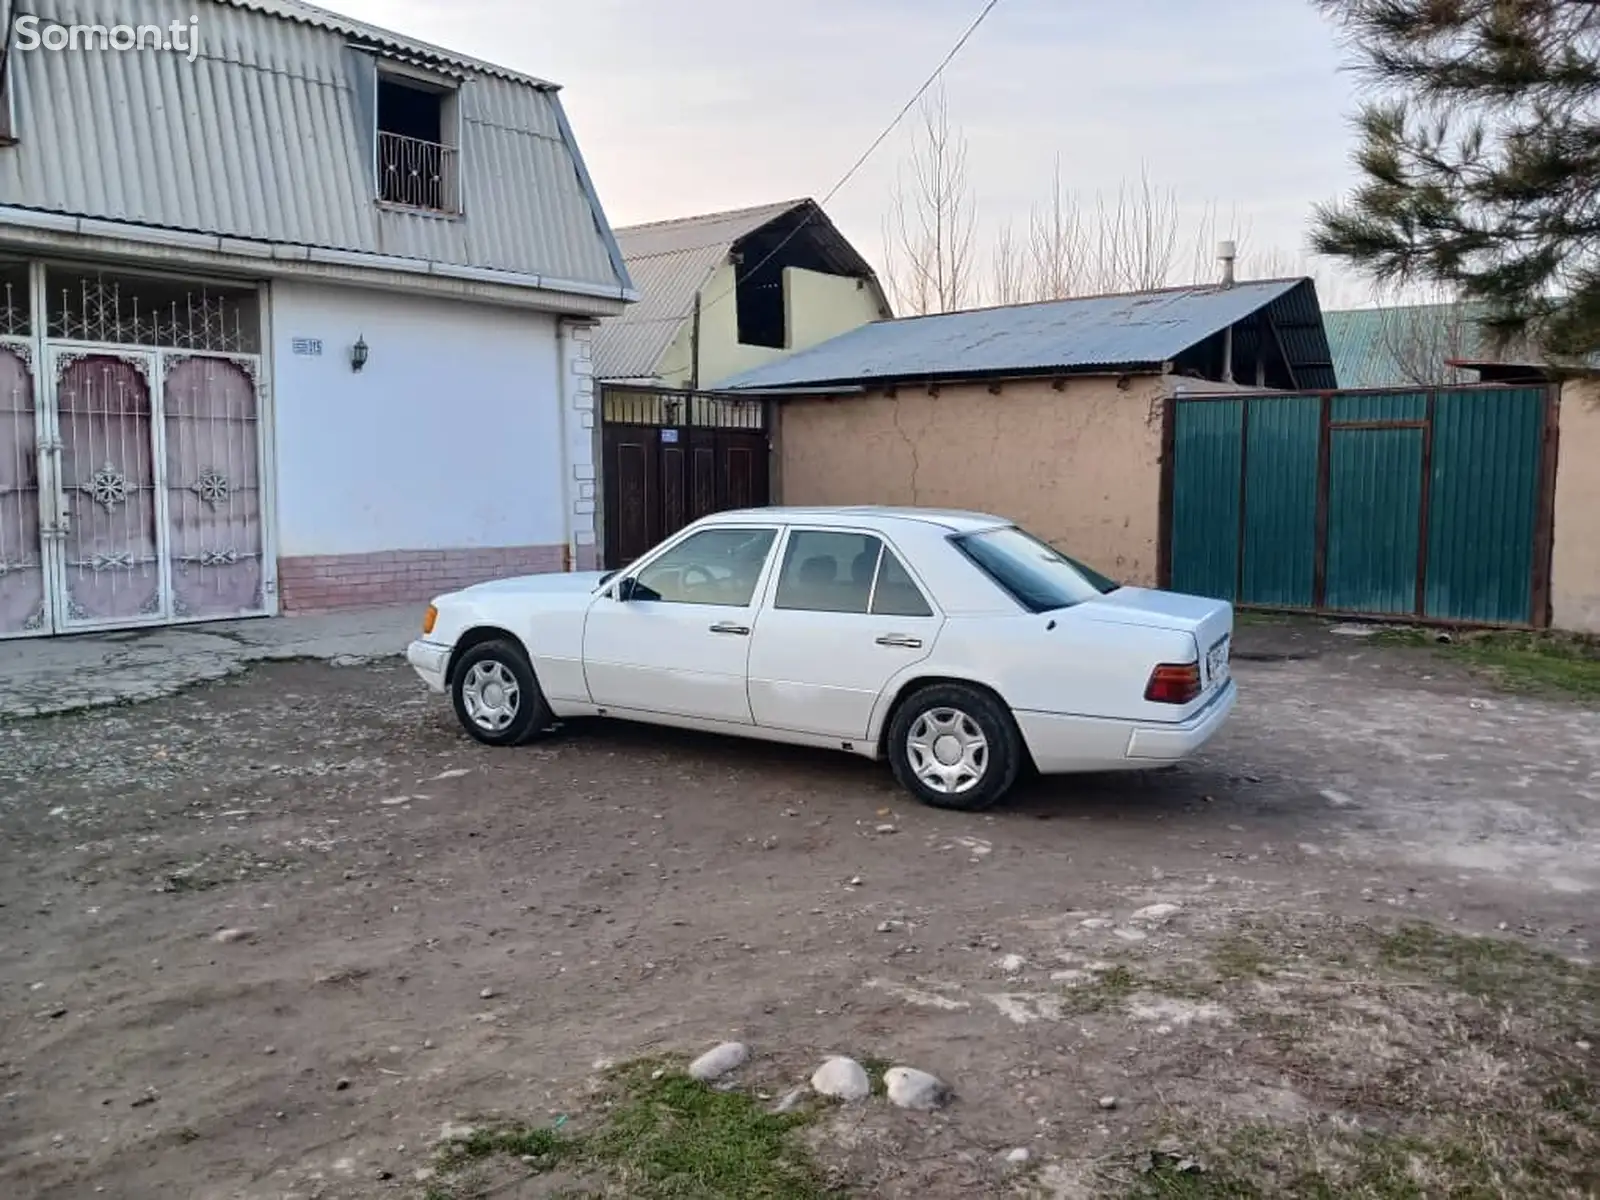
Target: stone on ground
[[792, 1100], [1157, 914], [910, 1088], [719, 1061], [842, 1079]]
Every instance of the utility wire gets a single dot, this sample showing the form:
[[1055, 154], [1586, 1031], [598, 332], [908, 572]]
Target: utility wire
[[933, 78]]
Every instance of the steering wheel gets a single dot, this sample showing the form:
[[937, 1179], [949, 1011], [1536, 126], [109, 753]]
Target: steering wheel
[[695, 576]]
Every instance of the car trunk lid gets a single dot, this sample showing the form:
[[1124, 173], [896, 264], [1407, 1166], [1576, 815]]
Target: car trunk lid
[[1209, 622]]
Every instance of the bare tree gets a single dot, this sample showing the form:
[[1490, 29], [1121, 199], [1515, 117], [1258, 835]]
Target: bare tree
[[1056, 247], [933, 221], [1422, 337], [1008, 267], [1133, 246], [1126, 242]]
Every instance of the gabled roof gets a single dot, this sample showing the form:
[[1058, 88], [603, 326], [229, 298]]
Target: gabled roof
[[671, 261], [273, 127], [1128, 332]]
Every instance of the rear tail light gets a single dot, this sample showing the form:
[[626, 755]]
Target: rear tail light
[[1174, 683]]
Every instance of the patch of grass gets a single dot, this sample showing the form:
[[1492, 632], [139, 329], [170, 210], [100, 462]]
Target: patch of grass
[[1239, 958], [540, 1149], [663, 1135], [1495, 969], [1105, 990], [1328, 1162], [1517, 661], [1424, 1063], [875, 1068], [674, 1137]]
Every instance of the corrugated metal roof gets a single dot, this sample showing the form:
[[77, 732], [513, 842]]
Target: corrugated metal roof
[[269, 137], [1142, 329], [361, 31], [671, 261], [1402, 346]]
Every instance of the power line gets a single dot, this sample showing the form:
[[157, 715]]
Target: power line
[[933, 78]]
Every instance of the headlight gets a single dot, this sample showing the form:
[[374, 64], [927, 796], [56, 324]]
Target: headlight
[[428, 620]]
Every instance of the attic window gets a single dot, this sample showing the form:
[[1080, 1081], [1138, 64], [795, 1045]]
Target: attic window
[[418, 144], [758, 296]]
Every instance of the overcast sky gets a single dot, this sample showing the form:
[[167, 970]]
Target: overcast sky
[[689, 106]]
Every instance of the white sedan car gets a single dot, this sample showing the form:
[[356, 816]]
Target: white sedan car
[[954, 644]]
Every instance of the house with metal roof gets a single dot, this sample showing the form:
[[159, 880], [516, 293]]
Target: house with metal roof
[[727, 292], [295, 313], [1269, 331], [1055, 414], [1404, 345]]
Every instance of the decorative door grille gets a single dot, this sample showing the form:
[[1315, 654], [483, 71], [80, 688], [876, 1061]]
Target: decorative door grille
[[22, 575]]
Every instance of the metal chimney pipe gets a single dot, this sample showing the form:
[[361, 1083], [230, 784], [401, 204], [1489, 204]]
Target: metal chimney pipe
[[1227, 252]]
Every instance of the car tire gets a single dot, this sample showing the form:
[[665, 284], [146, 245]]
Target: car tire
[[496, 695], [955, 746]]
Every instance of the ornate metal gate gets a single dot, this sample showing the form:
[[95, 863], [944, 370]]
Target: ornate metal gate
[[22, 574], [131, 462]]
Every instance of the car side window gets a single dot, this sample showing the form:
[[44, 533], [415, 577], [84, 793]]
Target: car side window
[[714, 566], [896, 595], [826, 571]]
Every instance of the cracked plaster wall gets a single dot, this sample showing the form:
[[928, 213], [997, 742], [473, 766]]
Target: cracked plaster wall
[[1080, 467]]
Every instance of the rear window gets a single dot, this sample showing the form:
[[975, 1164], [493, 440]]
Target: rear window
[[1036, 574]]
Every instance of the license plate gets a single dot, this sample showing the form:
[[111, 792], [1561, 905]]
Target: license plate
[[1217, 662]]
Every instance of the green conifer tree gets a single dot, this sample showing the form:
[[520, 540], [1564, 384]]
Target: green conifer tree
[[1480, 159]]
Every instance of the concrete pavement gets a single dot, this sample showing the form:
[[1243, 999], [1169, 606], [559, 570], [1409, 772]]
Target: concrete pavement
[[54, 675]]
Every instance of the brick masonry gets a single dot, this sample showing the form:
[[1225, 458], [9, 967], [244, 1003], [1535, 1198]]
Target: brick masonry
[[321, 583]]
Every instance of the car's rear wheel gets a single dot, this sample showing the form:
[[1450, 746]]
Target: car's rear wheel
[[955, 746], [497, 698]]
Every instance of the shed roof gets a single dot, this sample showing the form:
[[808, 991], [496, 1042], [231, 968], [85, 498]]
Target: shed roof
[[671, 261], [1131, 331]]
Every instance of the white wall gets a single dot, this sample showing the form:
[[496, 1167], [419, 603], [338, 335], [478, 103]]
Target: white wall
[[451, 437]]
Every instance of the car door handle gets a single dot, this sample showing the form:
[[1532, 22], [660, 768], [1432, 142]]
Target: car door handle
[[904, 640], [730, 627]]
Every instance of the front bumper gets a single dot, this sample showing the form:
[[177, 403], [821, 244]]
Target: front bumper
[[431, 661], [1169, 743]]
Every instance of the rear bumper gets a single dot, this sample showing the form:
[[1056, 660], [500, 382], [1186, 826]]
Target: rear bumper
[[430, 660], [1168, 743], [1063, 744]]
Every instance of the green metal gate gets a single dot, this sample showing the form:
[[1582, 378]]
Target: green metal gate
[[1430, 504]]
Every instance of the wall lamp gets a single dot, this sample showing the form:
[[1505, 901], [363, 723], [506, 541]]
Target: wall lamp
[[358, 354]]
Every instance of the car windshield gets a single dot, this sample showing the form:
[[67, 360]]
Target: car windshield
[[1040, 577]]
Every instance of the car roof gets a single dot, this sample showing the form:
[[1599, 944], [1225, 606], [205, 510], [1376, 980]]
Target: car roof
[[955, 520]]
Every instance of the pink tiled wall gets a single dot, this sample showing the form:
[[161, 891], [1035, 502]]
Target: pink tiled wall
[[322, 582]]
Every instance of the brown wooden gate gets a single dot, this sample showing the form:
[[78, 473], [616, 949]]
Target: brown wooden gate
[[671, 457]]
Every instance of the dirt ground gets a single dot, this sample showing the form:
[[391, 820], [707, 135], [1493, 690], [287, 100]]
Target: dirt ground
[[417, 930]]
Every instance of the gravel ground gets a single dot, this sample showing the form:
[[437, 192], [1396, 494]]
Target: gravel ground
[[266, 937]]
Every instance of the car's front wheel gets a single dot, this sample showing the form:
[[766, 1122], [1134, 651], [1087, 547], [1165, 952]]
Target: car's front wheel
[[497, 698], [955, 746]]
